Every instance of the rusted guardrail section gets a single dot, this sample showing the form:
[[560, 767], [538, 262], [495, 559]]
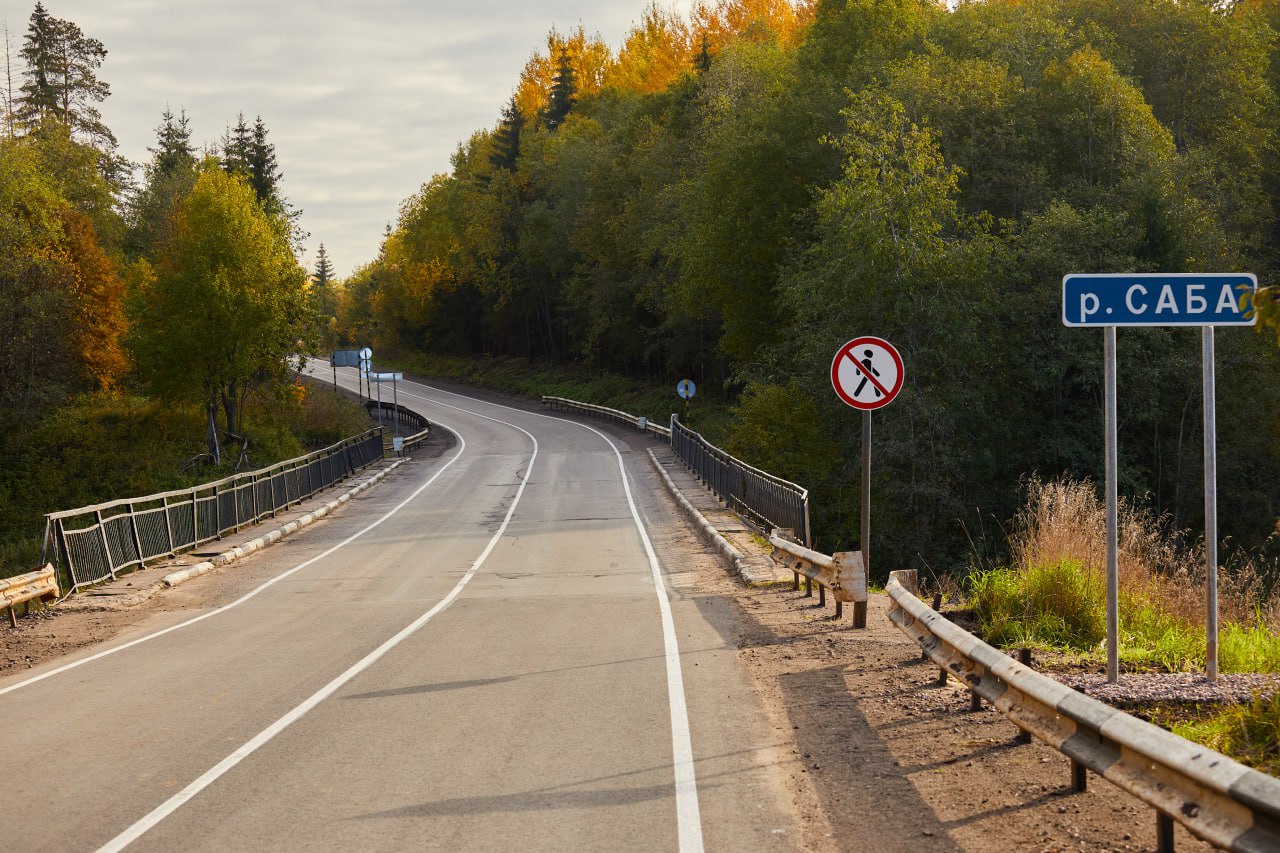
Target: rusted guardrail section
[[843, 573], [42, 584], [1213, 796], [638, 421]]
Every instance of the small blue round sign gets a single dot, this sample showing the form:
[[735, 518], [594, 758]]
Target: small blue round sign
[[686, 389]]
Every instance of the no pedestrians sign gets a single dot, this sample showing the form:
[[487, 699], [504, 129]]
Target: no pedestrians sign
[[867, 373]]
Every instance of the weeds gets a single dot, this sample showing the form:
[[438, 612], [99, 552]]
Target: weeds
[[1054, 594], [1249, 733]]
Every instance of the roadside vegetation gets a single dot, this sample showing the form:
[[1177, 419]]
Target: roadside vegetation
[[1052, 595], [148, 326], [729, 196]]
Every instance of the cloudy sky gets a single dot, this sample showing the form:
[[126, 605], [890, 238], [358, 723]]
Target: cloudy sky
[[363, 99]]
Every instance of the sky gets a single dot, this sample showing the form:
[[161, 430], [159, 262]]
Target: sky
[[363, 100]]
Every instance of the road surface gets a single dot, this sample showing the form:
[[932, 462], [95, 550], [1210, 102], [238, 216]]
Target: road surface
[[487, 652]]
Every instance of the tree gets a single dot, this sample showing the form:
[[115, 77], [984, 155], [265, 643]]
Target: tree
[[506, 139], [237, 143], [562, 95], [174, 151], [225, 308], [169, 176], [61, 79]]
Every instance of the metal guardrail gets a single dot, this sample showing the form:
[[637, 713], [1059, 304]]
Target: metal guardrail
[[42, 584], [405, 419], [638, 421], [1213, 796], [843, 573], [93, 543], [772, 500]]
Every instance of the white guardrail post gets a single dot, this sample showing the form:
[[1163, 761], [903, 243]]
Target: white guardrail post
[[1216, 798]]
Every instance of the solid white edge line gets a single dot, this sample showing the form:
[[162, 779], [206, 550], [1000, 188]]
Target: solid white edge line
[[688, 812], [242, 599], [168, 807]]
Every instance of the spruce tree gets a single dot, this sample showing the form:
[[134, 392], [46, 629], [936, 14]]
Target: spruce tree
[[563, 90], [702, 62], [237, 142], [174, 151], [263, 169], [506, 139], [321, 279]]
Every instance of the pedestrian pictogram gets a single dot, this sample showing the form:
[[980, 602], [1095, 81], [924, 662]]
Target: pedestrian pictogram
[[867, 373]]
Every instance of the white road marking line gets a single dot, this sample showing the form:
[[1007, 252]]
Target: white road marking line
[[242, 599], [688, 813], [168, 807]]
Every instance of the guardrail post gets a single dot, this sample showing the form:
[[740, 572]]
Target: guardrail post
[[1079, 776], [822, 596], [808, 587], [1024, 658], [1164, 833]]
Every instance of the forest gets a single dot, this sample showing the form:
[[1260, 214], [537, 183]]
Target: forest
[[150, 314], [731, 196]]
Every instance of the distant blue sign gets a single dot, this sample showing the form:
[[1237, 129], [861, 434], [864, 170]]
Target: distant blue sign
[[1158, 299], [686, 389]]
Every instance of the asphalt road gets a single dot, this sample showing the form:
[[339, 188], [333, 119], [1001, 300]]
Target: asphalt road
[[492, 651]]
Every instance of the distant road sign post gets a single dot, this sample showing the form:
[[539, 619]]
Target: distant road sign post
[[686, 389], [1160, 299], [867, 374]]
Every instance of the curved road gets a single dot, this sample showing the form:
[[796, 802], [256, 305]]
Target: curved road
[[488, 652]]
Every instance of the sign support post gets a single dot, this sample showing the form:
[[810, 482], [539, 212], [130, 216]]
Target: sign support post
[[1113, 526], [1210, 505], [1205, 300], [865, 515], [867, 373]]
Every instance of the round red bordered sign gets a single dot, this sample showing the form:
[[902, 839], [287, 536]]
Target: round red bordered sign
[[867, 373]]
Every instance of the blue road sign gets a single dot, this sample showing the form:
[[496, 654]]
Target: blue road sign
[[1159, 299], [686, 389]]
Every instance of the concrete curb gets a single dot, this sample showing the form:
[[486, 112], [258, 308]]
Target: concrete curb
[[734, 557], [182, 576]]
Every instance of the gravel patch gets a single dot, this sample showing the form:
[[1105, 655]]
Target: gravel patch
[[1148, 688]]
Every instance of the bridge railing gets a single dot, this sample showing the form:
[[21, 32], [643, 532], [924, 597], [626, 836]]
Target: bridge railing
[[1213, 796], [771, 501], [93, 543], [406, 419]]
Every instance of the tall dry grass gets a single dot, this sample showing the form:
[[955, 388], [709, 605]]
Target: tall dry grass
[[1064, 520]]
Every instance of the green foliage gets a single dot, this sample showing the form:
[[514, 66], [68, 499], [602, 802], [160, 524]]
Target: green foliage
[[1248, 733], [225, 309], [892, 167], [1058, 606]]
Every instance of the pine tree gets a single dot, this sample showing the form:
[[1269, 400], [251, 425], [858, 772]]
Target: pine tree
[[61, 79], [237, 143], [506, 139], [563, 89], [322, 279], [174, 151], [264, 170]]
